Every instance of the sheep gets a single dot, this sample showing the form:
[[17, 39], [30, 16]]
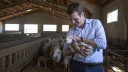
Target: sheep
[[55, 53], [44, 59], [45, 49], [51, 51], [69, 40]]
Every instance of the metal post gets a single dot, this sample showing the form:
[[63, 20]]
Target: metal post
[[106, 61], [126, 56]]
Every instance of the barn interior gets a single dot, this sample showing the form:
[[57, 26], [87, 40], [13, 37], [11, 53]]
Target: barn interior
[[27, 25]]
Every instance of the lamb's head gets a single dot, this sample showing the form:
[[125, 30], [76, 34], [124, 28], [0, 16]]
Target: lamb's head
[[69, 39]]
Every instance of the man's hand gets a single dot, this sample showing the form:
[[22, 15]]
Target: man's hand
[[87, 41], [75, 47], [77, 38], [85, 50]]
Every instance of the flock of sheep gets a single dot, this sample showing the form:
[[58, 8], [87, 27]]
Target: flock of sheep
[[52, 49]]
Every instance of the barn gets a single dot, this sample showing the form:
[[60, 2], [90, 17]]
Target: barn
[[33, 35]]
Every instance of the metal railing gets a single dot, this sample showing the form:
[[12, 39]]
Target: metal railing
[[117, 58]]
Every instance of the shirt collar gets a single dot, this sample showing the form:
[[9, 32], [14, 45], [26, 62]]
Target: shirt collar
[[87, 22]]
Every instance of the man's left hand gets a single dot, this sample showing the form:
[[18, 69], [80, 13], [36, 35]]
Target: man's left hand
[[85, 50]]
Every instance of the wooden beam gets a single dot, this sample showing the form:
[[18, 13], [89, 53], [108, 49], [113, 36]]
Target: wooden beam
[[8, 1], [49, 5], [26, 6], [67, 3], [12, 9], [107, 2], [39, 7], [12, 5], [52, 11], [1, 4], [57, 1], [17, 14], [96, 2], [43, 6], [19, 7], [8, 10]]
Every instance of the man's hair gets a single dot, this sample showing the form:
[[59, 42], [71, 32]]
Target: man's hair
[[75, 7]]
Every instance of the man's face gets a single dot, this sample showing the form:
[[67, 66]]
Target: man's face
[[76, 19]]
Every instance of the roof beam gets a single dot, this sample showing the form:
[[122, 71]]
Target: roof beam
[[107, 2], [12, 9], [1, 4], [17, 14], [67, 3], [8, 1], [13, 5]]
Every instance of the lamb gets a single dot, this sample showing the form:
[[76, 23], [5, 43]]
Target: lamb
[[44, 59], [69, 40]]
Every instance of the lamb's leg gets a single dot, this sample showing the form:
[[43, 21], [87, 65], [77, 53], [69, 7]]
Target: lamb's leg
[[54, 66], [38, 62], [68, 68], [54, 63], [45, 64]]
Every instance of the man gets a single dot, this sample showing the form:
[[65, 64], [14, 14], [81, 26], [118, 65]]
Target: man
[[92, 33]]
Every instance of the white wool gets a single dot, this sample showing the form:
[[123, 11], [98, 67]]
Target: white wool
[[55, 53], [69, 40]]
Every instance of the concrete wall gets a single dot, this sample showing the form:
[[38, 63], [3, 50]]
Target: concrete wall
[[39, 18], [115, 29]]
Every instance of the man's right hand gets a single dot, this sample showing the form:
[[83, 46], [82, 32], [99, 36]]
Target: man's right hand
[[75, 46]]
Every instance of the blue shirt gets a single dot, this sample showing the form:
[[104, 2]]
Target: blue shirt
[[93, 30]]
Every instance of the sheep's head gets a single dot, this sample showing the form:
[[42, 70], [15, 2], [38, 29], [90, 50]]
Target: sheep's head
[[55, 54]]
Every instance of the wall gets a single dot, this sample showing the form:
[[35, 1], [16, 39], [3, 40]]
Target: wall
[[115, 29], [39, 18], [0, 27], [124, 4]]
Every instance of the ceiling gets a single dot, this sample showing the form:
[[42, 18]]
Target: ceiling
[[14, 8], [96, 1]]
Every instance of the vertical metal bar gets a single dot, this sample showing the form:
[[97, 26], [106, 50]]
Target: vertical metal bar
[[118, 42], [3, 63], [16, 57], [10, 59], [23, 52], [106, 61], [126, 56]]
